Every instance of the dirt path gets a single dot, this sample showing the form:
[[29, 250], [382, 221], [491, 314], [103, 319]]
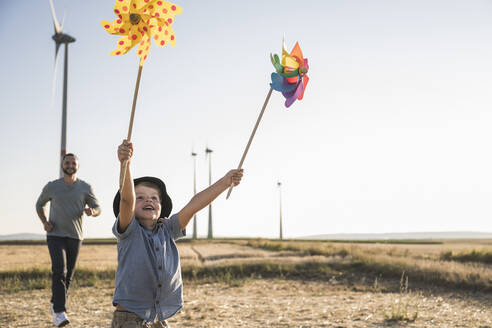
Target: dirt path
[[263, 303]]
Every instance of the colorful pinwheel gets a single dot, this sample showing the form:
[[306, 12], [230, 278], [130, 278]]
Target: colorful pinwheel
[[139, 21], [291, 78]]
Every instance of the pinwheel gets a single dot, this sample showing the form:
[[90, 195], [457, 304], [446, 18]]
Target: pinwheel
[[290, 78], [139, 21]]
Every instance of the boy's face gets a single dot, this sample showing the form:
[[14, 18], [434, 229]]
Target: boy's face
[[148, 203]]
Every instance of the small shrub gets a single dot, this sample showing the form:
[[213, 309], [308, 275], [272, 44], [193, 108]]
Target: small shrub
[[446, 256], [469, 256], [400, 307]]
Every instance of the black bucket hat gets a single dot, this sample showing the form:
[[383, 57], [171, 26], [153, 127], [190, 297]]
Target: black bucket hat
[[166, 203]]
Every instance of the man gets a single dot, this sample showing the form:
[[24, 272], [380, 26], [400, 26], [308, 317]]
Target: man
[[68, 197]]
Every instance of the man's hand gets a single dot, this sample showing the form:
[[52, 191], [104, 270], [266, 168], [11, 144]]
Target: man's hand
[[48, 226], [125, 151], [234, 177], [89, 211]]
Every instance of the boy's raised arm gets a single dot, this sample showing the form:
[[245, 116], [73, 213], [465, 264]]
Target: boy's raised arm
[[206, 196], [127, 190]]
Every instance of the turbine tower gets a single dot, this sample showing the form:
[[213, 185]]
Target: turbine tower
[[280, 199], [193, 154], [208, 152], [61, 38]]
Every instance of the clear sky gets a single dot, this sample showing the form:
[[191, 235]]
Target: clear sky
[[393, 133]]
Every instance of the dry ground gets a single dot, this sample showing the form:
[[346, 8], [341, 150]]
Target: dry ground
[[263, 303], [254, 302]]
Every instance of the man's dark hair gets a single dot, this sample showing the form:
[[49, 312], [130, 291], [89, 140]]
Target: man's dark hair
[[69, 154]]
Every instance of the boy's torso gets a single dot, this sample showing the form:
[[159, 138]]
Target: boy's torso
[[148, 278]]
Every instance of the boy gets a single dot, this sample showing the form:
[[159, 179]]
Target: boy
[[148, 278]]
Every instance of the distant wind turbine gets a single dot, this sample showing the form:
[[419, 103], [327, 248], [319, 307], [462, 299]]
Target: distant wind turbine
[[208, 153], [193, 154], [61, 38], [280, 199]]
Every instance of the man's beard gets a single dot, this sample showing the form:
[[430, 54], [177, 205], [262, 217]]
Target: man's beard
[[69, 173]]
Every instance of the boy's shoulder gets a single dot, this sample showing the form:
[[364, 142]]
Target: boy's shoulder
[[129, 231]]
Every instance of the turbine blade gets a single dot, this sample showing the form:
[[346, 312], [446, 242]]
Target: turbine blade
[[55, 21], [63, 20], [53, 87], [57, 47]]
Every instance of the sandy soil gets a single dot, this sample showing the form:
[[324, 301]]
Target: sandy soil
[[253, 303], [265, 303]]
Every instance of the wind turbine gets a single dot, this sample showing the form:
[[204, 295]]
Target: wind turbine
[[280, 198], [193, 154], [61, 38], [208, 152]]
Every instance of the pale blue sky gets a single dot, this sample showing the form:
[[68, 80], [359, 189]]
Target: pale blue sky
[[392, 135]]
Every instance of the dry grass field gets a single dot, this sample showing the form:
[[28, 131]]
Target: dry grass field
[[261, 283]]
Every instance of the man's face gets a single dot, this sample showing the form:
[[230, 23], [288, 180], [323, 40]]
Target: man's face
[[148, 203], [70, 165]]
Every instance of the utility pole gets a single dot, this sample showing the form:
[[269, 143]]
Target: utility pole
[[208, 152], [280, 199], [193, 154]]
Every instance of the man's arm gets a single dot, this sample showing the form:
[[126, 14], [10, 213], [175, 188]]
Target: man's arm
[[127, 190], [41, 211], [42, 216], [206, 196], [93, 208]]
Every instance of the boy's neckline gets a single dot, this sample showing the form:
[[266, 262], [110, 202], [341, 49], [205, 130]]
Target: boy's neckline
[[155, 224]]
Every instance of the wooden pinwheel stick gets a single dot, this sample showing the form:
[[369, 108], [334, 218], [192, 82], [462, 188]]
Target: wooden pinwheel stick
[[135, 95], [251, 138]]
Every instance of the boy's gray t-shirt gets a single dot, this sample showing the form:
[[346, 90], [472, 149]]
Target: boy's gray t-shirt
[[148, 277], [67, 205]]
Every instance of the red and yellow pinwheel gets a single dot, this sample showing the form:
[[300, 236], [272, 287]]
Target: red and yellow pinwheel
[[140, 20]]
